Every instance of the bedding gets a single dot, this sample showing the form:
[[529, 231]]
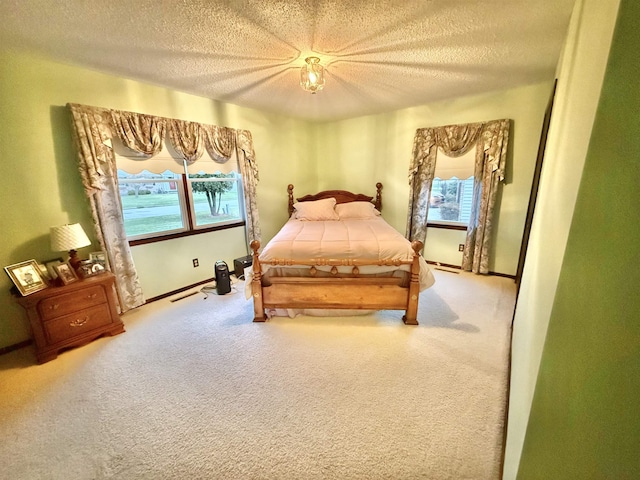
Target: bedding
[[371, 239]]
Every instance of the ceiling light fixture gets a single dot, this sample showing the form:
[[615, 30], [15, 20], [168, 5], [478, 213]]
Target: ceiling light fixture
[[312, 75]]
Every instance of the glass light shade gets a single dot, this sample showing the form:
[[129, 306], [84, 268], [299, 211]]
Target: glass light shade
[[312, 75], [68, 237]]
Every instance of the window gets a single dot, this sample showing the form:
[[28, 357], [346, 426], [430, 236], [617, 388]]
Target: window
[[452, 190], [161, 196], [451, 200]]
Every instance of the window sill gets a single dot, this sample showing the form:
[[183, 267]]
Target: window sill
[[447, 226], [161, 238]]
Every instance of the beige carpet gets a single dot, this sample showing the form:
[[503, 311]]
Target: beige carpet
[[195, 390]]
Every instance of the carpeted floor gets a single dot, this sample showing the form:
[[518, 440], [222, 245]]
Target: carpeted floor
[[195, 390]]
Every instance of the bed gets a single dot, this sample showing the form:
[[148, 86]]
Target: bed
[[336, 252]]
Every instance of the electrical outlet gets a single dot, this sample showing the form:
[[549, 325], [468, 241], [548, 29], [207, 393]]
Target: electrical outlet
[[195, 263], [461, 247]]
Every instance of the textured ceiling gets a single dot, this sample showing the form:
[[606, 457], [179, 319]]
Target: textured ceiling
[[380, 55]]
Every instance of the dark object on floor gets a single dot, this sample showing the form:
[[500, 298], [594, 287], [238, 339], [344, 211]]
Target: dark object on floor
[[239, 264], [223, 282]]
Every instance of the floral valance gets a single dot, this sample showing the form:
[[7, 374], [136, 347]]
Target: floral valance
[[145, 135]]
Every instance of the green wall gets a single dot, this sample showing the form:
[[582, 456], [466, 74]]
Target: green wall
[[584, 420]]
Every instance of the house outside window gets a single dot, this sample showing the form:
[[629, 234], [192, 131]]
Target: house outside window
[[451, 200], [452, 190]]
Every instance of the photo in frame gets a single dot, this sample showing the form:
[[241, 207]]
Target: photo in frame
[[98, 257], [44, 272], [87, 268], [27, 277], [99, 261], [49, 264], [66, 274]]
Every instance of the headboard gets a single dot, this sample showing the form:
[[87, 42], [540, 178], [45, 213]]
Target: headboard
[[341, 196]]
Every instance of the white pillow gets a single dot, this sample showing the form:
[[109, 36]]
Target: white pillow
[[316, 210], [360, 210]]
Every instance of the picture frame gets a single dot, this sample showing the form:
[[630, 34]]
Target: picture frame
[[66, 274], [44, 272], [49, 264], [88, 268], [98, 257], [27, 277]]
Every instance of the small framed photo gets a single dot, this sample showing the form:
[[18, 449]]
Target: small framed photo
[[27, 277], [87, 268], [98, 257], [66, 274], [49, 264], [44, 272]]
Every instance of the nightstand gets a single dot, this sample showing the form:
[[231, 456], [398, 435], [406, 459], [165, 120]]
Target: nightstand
[[72, 315]]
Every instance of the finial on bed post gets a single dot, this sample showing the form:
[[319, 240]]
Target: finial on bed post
[[255, 246], [290, 190], [378, 202]]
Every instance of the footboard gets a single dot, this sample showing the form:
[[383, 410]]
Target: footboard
[[338, 291]]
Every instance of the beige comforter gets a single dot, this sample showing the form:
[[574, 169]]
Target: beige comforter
[[371, 239]]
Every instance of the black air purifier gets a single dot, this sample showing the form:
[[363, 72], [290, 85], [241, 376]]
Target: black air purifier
[[223, 282]]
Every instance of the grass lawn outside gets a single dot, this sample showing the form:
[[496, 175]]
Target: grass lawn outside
[[168, 216]]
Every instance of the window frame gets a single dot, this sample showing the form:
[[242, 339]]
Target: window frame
[[191, 204], [187, 210]]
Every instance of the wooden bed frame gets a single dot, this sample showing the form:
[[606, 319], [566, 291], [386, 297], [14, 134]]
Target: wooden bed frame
[[340, 291]]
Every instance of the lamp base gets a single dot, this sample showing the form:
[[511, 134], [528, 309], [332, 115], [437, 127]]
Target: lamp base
[[74, 260]]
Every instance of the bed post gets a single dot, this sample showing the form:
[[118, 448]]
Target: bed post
[[411, 314], [256, 285], [378, 200], [290, 190]]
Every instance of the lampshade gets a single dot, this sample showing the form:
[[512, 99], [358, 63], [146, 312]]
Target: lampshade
[[312, 75], [68, 237]]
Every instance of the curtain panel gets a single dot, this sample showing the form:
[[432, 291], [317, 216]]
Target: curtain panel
[[490, 139], [249, 172], [93, 130], [96, 162]]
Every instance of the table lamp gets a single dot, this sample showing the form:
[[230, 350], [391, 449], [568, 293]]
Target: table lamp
[[69, 237]]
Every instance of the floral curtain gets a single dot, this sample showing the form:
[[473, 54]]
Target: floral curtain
[[219, 142], [249, 172], [421, 171], [140, 133], [490, 140], [187, 139], [96, 162], [491, 157], [93, 129]]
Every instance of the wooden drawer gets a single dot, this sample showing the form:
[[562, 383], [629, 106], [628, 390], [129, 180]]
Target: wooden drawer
[[68, 326], [71, 302]]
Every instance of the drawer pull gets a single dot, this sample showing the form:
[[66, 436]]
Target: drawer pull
[[78, 322], [54, 307], [92, 296]]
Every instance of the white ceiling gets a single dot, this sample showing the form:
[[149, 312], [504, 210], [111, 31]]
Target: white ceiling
[[380, 55]]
